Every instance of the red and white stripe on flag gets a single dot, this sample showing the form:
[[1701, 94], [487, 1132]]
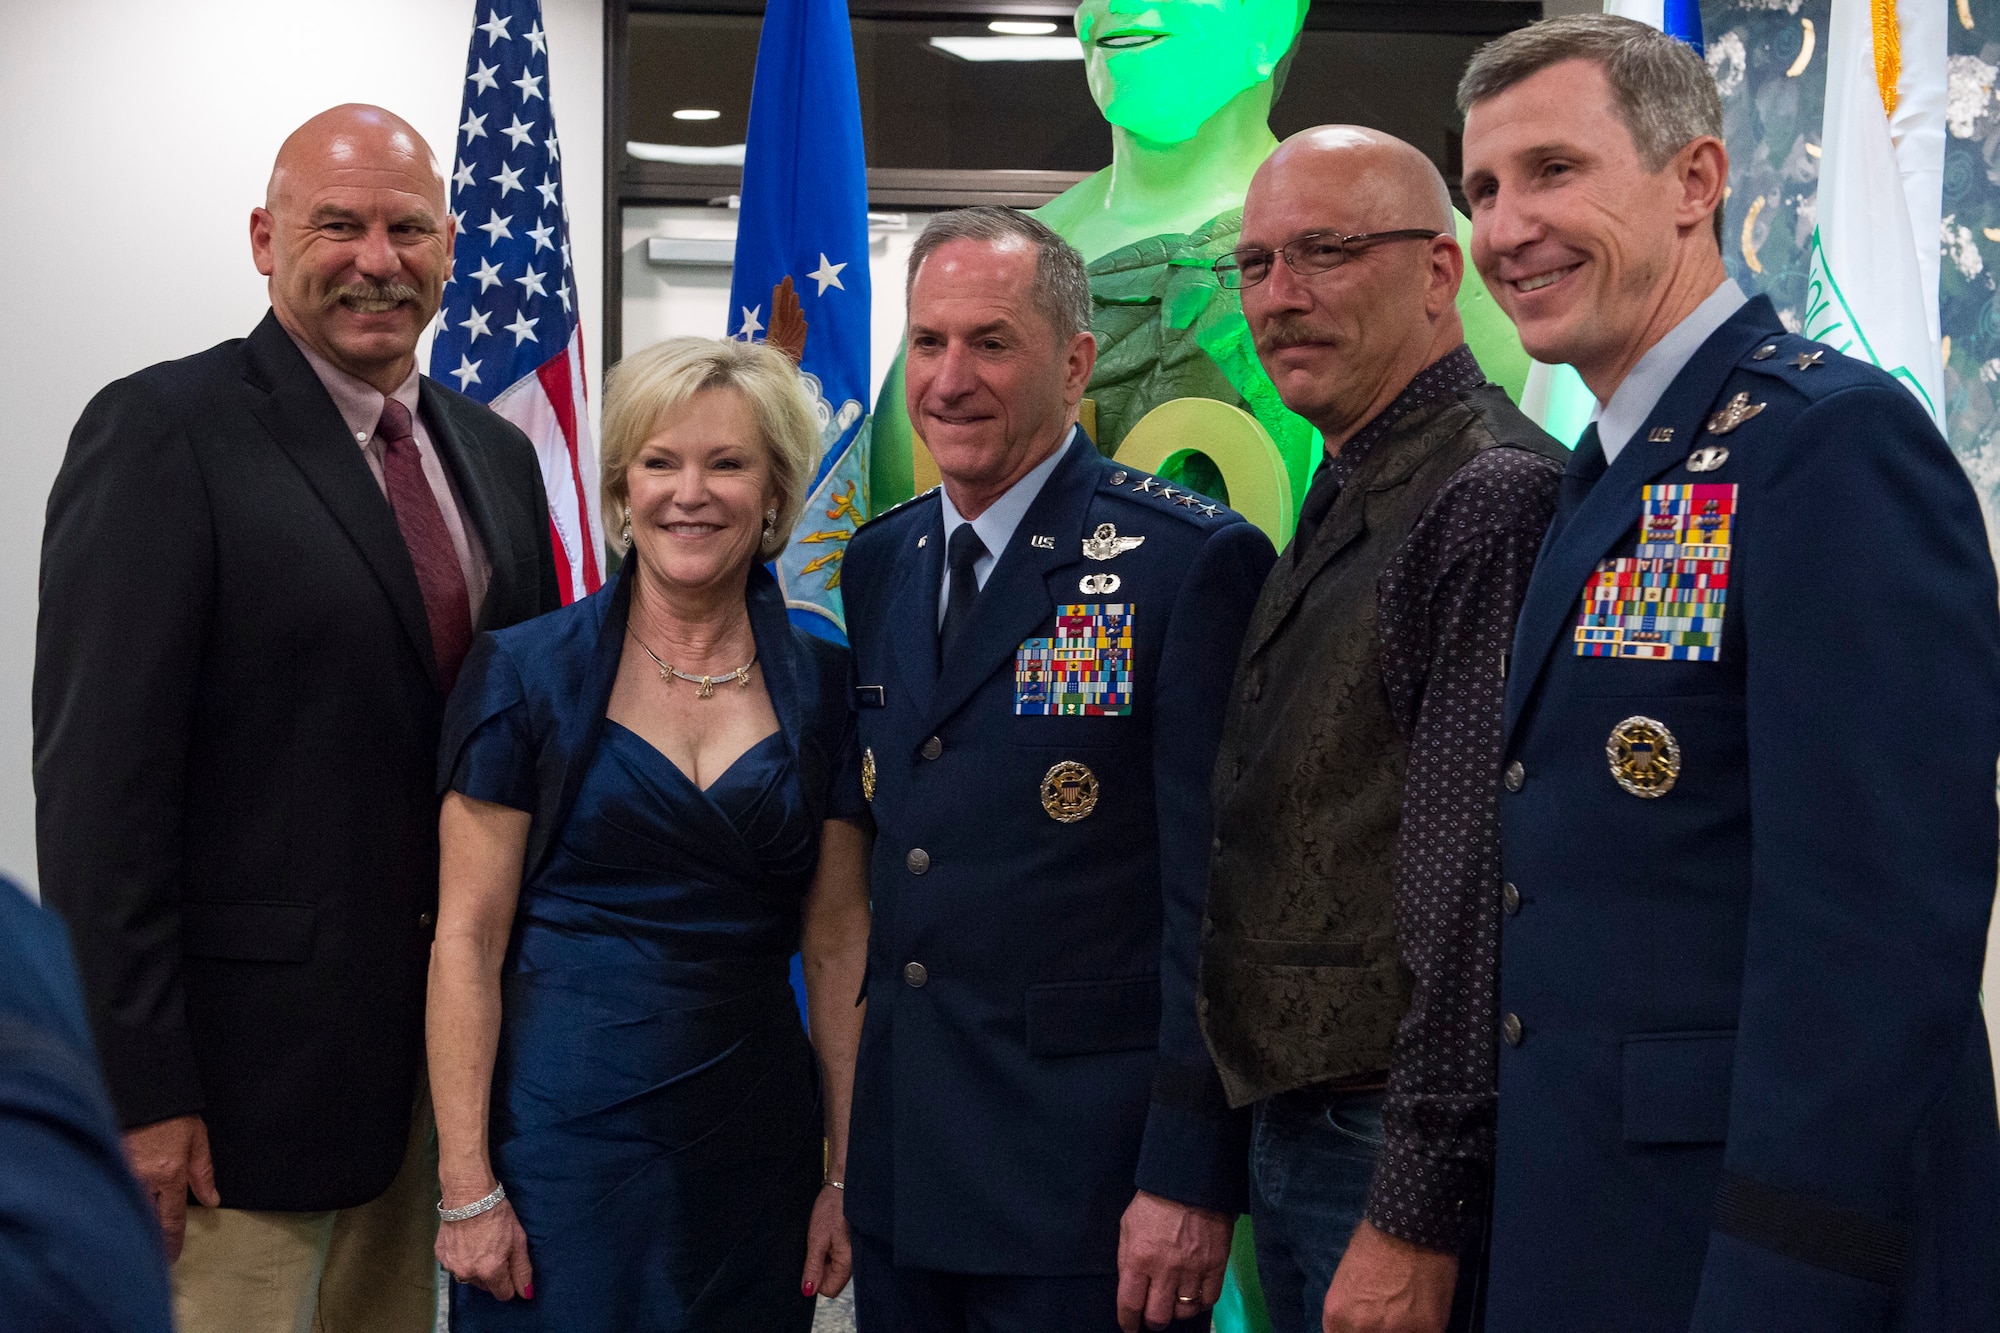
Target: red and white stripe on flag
[[550, 407]]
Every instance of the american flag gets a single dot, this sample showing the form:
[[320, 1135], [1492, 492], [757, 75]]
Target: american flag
[[508, 333]]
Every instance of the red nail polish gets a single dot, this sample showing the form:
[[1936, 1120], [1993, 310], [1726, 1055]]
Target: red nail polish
[[807, 1288], [529, 1291]]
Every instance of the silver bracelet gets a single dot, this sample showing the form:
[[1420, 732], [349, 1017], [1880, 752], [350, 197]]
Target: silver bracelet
[[837, 1184], [473, 1209]]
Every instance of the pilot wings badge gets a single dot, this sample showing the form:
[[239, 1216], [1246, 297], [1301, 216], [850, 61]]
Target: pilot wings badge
[[1107, 543], [1738, 410]]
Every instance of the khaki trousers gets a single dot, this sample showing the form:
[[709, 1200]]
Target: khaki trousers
[[367, 1269]]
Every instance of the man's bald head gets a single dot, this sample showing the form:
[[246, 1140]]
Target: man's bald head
[[355, 239], [352, 138], [1390, 181], [1341, 339]]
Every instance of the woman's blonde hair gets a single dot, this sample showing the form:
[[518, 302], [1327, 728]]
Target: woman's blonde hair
[[644, 392]]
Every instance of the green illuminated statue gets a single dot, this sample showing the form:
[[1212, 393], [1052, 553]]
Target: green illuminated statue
[[1187, 86]]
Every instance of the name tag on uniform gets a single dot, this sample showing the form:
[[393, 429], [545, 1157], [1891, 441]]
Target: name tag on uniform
[[1085, 670], [870, 696], [1665, 603]]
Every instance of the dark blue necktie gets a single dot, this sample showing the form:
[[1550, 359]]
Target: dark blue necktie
[[963, 552]]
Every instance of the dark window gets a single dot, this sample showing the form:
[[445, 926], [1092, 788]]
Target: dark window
[[1391, 66]]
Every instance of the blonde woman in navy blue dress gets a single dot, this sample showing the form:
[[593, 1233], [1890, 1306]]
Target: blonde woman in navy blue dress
[[652, 803]]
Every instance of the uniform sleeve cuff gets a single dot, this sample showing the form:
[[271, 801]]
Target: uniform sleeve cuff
[[1199, 1160], [151, 1075]]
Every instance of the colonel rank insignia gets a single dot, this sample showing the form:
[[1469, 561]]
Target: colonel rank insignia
[[1084, 671], [1665, 603]]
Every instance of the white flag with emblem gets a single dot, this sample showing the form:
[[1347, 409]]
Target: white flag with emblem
[[1873, 289]]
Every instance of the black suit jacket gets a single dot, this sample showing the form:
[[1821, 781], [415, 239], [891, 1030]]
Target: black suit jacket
[[236, 721]]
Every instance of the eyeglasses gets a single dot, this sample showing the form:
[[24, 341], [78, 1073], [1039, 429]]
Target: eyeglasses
[[1314, 252]]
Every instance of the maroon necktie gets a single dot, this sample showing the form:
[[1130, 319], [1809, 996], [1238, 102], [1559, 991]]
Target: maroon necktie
[[424, 532]]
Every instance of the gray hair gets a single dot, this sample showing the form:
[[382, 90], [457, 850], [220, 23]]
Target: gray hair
[[1061, 290], [1664, 93]]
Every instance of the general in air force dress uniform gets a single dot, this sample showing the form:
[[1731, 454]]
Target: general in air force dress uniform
[[1749, 825], [1040, 795]]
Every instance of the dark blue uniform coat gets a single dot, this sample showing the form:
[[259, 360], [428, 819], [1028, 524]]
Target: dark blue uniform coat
[[79, 1249], [1749, 1088], [1031, 1054]]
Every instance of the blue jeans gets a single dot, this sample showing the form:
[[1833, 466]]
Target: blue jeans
[[1312, 1159]]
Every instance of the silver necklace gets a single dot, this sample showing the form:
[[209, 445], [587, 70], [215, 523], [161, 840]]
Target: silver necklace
[[706, 684]]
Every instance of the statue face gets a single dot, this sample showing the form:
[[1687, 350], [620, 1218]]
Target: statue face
[[1161, 68]]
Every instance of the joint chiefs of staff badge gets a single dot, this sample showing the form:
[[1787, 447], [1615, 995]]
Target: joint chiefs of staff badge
[[868, 774], [1106, 543], [1069, 792], [1645, 758]]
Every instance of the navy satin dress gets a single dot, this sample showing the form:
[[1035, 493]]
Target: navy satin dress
[[655, 1113]]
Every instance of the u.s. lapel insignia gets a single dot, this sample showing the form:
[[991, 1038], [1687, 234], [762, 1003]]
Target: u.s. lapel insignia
[[1707, 458], [1106, 543], [1069, 792], [868, 774], [1739, 410], [1041, 542], [1661, 435], [1807, 360], [1098, 585], [1644, 756]]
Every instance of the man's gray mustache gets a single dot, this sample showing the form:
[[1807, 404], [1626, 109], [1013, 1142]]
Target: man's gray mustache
[[369, 291]]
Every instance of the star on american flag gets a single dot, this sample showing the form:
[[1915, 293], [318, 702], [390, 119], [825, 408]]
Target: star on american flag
[[512, 273]]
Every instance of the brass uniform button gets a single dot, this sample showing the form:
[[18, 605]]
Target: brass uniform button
[[915, 974], [1514, 776], [932, 748], [1510, 1029], [918, 861], [1510, 899]]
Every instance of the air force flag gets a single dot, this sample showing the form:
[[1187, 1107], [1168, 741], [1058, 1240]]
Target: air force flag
[[801, 277]]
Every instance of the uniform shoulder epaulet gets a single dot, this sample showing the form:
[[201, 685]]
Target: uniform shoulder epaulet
[[1812, 369], [1149, 492], [899, 508]]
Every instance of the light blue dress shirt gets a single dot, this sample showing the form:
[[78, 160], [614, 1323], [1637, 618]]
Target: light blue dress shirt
[[996, 525], [1634, 399]]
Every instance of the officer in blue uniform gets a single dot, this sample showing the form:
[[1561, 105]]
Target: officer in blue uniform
[[1042, 650], [79, 1247], [1748, 818]]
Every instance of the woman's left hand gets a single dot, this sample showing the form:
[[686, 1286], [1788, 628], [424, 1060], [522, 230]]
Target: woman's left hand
[[829, 1256]]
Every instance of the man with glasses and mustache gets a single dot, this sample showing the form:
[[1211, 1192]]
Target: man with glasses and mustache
[[1349, 962], [261, 569]]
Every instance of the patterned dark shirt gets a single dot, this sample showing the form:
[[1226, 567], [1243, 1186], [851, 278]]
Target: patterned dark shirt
[[1445, 608]]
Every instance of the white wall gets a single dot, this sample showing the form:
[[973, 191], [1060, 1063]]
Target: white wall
[[138, 138], [675, 300]]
